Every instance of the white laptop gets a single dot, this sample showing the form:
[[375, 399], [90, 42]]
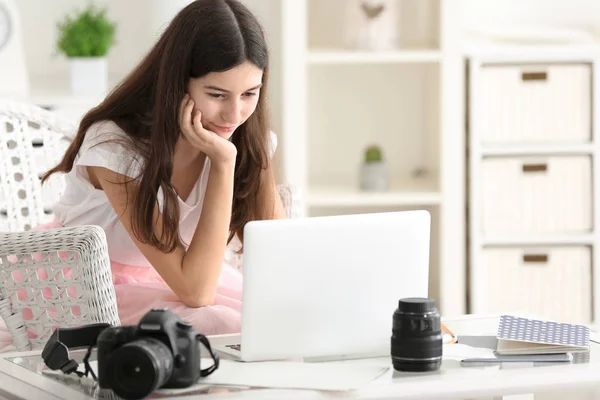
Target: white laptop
[[326, 287]]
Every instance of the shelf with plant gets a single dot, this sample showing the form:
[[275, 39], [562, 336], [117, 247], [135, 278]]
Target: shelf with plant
[[86, 38], [374, 187], [396, 108]]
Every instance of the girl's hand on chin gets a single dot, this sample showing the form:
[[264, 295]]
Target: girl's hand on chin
[[216, 148]]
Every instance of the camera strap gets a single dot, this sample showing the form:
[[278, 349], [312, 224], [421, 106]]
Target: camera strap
[[56, 350], [207, 371]]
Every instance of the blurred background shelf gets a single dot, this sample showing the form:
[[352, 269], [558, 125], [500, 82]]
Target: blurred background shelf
[[339, 98], [540, 241], [400, 194], [333, 56], [51, 91], [539, 149]]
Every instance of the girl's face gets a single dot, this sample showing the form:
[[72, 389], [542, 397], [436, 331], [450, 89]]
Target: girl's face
[[227, 99]]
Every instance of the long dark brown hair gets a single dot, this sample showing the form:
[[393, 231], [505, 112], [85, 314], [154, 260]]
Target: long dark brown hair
[[206, 36]]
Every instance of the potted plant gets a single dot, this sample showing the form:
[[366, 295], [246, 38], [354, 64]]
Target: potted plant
[[85, 40], [374, 171]]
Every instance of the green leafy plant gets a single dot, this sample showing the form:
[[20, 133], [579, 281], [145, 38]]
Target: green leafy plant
[[373, 154], [89, 33]]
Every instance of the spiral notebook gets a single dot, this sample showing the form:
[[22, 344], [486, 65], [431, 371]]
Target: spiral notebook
[[517, 335]]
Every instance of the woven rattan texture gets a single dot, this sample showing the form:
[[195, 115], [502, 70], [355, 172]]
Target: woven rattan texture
[[55, 277], [32, 140]]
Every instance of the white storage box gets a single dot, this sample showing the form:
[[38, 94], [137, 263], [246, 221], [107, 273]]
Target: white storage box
[[547, 195], [553, 283], [535, 103]]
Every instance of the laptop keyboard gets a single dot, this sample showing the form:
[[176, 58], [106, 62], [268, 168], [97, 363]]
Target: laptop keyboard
[[237, 347]]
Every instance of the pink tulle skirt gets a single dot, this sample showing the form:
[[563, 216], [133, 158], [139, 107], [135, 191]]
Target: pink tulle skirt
[[140, 289]]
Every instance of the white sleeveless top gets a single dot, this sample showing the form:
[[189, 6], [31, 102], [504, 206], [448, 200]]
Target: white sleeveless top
[[83, 204]]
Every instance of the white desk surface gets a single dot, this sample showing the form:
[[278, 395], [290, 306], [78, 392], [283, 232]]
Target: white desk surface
[[451, 381]]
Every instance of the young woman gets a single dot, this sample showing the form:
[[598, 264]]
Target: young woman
[[174, 162]]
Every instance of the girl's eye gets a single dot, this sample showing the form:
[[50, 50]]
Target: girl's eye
[[249, 94], [216, 95]]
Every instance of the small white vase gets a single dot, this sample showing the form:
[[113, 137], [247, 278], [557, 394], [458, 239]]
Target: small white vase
[[89, 76], [374, 177], [377, 25]]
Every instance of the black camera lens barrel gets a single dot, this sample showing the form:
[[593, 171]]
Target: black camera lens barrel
[[417, 340], [140, 367]]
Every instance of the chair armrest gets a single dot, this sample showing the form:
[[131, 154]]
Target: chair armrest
[[291, 199], [48, 273]]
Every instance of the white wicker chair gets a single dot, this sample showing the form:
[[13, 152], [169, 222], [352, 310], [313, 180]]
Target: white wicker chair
[[55, 277], [36, 292], [291, 199], [32, 140]]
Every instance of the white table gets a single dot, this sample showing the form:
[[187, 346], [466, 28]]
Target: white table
[[574, 381]]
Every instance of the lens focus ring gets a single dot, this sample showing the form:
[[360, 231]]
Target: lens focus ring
[[140, 367], [416, 342]]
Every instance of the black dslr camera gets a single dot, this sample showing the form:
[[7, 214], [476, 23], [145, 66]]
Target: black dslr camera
[[162, 351]]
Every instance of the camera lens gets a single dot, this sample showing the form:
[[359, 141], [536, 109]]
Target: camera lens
[[416, 336], [140, 367]]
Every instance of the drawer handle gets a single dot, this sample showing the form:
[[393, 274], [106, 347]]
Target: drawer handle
[[535, 167], [534, 76], [535, 258]]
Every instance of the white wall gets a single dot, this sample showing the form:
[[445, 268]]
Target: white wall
[[560, 13], [138, 24], [39, 19]]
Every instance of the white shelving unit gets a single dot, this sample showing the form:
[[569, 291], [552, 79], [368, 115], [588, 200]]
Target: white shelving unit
[[336, 100], [330, 100], [542, 149], [333, 56], [533, 181], [53, 93], [342, 197]]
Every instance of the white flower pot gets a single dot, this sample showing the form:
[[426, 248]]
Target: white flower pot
[[89, 76], [374, 177]]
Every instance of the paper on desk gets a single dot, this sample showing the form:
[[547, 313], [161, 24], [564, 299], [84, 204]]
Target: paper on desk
[[294, 375], [459, 352], [289, 374]]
